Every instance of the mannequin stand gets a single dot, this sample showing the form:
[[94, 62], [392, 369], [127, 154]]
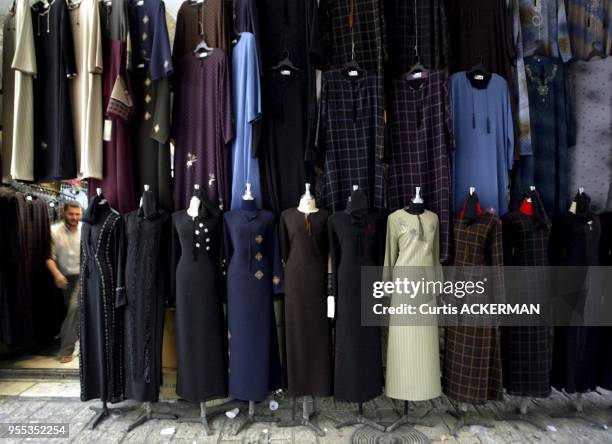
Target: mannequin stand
[[360, 419], [101, 414], [203, 418], [147, 415], [522, 414], [577, 412], [465, 419], [251, 419], [405, 419], [304, 421]]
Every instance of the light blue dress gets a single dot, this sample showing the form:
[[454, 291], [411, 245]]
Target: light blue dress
[[246, 105], [484, 141]]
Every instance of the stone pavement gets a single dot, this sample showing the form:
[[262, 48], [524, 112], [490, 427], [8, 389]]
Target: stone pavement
[[51, 401]]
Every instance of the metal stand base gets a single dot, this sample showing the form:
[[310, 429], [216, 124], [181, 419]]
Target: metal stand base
[[304, 421], [574, 414], [360, 419], [465, 419], [203, 418], [517, 415], [101, 414], [251, 419], [149, 415]]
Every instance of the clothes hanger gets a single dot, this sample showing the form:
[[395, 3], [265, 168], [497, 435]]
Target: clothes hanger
[[202, 49], [352, 68], [285, 66], [416, 71]]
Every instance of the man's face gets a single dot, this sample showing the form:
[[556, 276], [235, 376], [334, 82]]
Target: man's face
[[72, 215]]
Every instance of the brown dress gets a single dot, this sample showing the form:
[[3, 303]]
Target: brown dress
[[472, 359], [193, 19], [305, 247]]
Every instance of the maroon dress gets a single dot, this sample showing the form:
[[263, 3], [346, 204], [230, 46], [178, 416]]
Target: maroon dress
[[118, 181], [202, 127]]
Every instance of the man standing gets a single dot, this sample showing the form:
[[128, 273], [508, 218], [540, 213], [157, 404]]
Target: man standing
[[64, 264]]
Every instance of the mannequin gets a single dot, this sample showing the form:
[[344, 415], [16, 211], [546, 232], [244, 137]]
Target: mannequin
[[416, 207], [307, 205], [581, 207], [148, 413], [249, 205]]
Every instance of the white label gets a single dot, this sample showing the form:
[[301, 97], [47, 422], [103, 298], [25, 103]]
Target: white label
[[353, 73], [140, 3], [168, 431], [479, 77], [331, 307], [285, 72], [417, 75], [108, 130]]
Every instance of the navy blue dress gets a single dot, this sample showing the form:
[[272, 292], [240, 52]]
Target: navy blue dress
[[254, 274]]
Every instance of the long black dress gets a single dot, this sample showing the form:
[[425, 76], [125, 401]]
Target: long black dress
[[356, 239], [147, 272], [151, 69], [54, 150], [101, 299], [305, 246], [200, 331], [526, 350], [605, 259], [574, 242]]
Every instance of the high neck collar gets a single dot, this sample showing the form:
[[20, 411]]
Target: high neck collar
[[97, 209], [148, 209], [249, 209]]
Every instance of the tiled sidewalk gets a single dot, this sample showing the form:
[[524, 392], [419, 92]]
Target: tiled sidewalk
[[57, 401]]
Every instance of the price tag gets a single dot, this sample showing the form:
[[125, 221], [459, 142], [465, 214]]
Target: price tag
[[479, 77], [353, 73], [331, 307], [108, 130]]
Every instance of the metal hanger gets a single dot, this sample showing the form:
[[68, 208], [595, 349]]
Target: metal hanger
[[416, 71], [285, 66]]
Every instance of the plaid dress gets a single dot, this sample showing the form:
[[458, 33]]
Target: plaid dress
[[526, 351], [472, 359], [420, 128], [350, 138], [346, 21], [428, 29]]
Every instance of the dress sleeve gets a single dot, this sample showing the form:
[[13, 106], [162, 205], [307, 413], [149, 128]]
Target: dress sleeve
[[166, 260], [24, 59], [67, 45], [254, 88], [119, 262], [391, 244], [317, 153], [94, 49], [175, 257], [285, 244], [228, 249], [335, 255], [563, 38], [314, 37], [160, 130], [178, 46], [161, 60], [225, 102], [508, 130], [570, 118], [278, 283]]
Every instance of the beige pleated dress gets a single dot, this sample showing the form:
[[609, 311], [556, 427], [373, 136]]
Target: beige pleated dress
[[86, 87], [413, 355]]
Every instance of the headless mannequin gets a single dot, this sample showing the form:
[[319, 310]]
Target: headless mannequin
[[248, 204], [307, 206], [415, 207], [358, 203], [199, 204], [581, 206], [147, 411]]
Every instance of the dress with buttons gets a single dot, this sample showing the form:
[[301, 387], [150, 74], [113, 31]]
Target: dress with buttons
[[254, 275], [151, 69], [200, 332]]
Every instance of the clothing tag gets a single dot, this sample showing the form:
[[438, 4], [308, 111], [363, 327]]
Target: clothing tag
[[417, 75], [108, 130], [140, 3], [142, 65], [285, 72], [479, 77], [353, 73], [331, 307]]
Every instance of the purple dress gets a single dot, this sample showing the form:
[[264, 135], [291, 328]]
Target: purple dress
[[118, 182], [202, 127]]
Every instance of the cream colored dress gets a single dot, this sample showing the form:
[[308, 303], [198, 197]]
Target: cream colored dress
[[24, 64], [86, 88], [413, 355]]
